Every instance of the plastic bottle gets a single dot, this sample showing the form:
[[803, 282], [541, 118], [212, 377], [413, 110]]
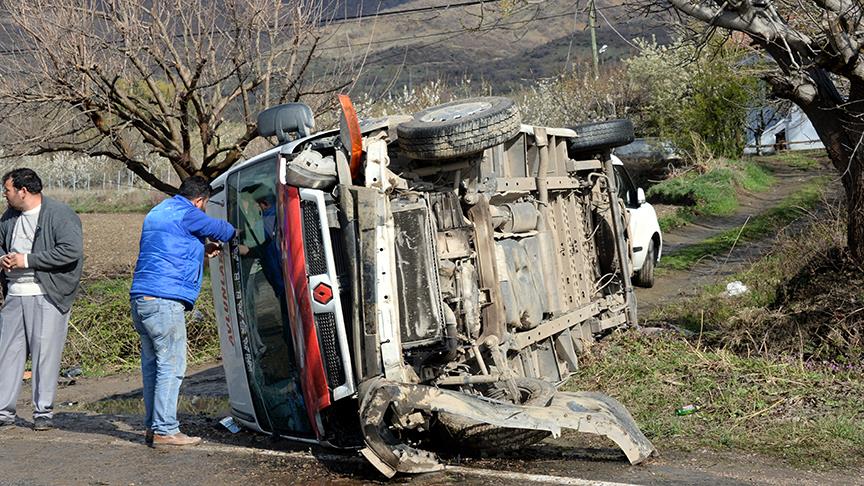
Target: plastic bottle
[[686, 410]]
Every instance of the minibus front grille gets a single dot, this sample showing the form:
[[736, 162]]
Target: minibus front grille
[[326, 326], [316, 260]]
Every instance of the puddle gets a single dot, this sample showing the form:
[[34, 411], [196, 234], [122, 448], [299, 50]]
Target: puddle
[[188, 404]]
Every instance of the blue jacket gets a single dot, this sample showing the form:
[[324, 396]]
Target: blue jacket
[[171, 258]]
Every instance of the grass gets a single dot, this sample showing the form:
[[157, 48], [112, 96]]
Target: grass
[[804, 300], [806, 416], [754, 178], [753, 363], [102, 339], [711, 193], [679, 218], [804, 160], [791, 208]]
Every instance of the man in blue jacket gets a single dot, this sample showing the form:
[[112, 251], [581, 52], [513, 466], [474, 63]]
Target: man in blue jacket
[[166, 283]]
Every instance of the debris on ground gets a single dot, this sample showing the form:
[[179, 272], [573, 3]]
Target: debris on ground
[[230, 424], [72, 372], [736, 288], [686, 410]]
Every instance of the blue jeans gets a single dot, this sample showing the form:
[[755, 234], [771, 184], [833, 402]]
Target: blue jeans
[[162, 327]]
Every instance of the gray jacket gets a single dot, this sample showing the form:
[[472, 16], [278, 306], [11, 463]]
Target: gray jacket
[[58, 251]]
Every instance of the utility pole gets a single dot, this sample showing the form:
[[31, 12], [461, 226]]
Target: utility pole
[[592, 14]]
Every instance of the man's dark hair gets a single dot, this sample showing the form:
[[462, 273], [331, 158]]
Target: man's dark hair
[[195, 187], [24, 178]]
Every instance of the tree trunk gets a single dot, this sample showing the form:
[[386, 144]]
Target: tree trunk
[[855, 201], [840, 129]]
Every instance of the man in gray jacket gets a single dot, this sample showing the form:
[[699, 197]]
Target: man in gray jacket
[[42, 255]]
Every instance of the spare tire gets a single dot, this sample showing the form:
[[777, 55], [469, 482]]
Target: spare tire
[[594, 138], [470, 436], [604, 242], [459, 128]]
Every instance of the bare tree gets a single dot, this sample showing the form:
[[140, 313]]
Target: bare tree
[[817, 47], [178, 79]]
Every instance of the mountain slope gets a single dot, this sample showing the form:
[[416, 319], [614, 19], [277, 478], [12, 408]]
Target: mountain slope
[[505, 50]]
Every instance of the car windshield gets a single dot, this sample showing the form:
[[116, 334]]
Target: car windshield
[[268, 344]]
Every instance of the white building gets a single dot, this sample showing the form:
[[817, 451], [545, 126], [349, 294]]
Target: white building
[[793, 132]]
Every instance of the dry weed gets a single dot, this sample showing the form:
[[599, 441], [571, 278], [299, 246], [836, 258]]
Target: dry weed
[[805, 302]]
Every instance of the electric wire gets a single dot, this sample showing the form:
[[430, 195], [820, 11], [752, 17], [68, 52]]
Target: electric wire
[[616, 31]]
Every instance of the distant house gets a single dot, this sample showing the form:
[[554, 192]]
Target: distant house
[[790, 132]]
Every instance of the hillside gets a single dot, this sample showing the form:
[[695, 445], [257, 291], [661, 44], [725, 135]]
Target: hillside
[[504, 50], [410, 42]]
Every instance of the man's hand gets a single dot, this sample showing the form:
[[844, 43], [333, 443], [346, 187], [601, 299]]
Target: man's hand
[[212, 249], [12, 261], [243, 249]]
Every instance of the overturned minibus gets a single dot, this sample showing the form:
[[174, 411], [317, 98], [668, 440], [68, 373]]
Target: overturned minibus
[[412, 284]]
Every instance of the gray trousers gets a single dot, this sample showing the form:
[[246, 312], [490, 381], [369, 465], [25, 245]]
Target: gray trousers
[[30, 323]]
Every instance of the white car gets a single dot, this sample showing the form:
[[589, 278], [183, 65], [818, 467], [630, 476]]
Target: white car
[[645, 238], [596, 140], [652, 150]]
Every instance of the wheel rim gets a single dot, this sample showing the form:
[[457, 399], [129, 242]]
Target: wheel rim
[[455, 112]]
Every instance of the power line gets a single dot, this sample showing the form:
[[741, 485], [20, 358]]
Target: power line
[[337, 20], [616, 31]]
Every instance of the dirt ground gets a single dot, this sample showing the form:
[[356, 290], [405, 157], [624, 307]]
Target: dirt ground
[[110, 243], [673, 284]]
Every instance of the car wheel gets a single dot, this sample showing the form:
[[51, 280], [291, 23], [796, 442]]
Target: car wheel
[[645, 276], [470, 436], [594, 138], [459, 128]]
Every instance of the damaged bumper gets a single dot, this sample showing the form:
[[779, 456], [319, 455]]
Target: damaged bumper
[[587, 412]]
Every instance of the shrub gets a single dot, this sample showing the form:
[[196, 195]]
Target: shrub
[[102, 339], [688, 91], [410, 100], [708, 190], [577, 97]]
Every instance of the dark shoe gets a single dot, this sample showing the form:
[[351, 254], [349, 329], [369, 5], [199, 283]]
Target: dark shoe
[[148, 438], [4, 424], [179, 439], [42, 423]]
